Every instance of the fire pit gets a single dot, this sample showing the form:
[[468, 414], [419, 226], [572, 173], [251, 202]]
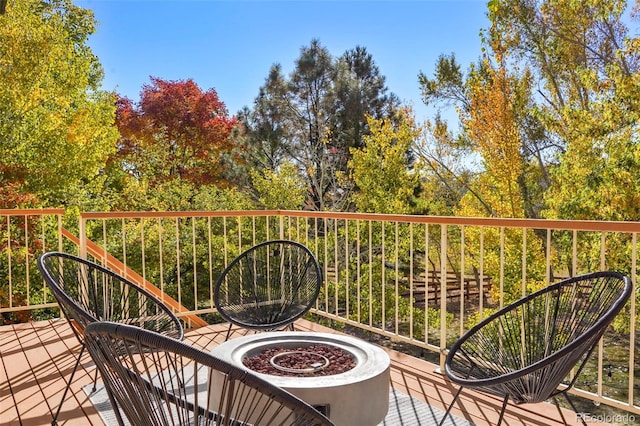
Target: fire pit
[[344, 377]]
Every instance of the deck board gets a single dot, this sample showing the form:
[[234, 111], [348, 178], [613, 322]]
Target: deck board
[[30, 371], [9, 347], [36, 359]]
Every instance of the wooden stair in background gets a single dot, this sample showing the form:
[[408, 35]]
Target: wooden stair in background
[[428, 290]]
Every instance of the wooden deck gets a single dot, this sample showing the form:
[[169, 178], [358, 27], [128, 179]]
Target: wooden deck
[[36, 358]]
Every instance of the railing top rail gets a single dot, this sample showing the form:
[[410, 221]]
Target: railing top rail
[[30, 212], [176, 214], [578, 225]]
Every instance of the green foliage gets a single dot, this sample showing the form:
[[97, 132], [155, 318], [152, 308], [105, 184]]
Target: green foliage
[[588, 80], [56, 127], [447, 86], [381, 171], [281, 189], [182, 253], [218, 199], [507, 263], [578, 136], [56, 133], [597, 180], [551, 110], [25, 238], [377, 304]]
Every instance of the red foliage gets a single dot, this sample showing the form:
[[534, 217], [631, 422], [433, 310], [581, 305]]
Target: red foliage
[[12, 191], [189, 128]]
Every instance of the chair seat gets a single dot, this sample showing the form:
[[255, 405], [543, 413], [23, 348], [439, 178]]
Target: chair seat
[[526, 350], [265, 315], [268, 286], [87, 292], [170, 384]]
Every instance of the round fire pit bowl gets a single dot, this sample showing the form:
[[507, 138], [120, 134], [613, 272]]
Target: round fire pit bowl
[[358, 396]]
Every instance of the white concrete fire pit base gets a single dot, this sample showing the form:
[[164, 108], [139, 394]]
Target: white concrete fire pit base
[[357, 397]]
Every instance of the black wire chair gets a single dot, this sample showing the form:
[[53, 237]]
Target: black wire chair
[[525, 351], [87, 292], [268, 286], [156, 380]]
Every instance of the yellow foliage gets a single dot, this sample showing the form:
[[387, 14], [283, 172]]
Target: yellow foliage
[[491, 123], [56, 127]]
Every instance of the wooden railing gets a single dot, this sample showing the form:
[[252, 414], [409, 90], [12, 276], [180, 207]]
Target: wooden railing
[[24, 235], [374, 268], [384, 273]]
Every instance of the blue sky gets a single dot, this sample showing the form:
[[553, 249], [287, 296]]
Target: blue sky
[[230, 45]]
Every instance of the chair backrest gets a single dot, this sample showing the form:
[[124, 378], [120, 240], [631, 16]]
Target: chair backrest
[[87, 292], [268, 286], [526, 349], [160, 381]]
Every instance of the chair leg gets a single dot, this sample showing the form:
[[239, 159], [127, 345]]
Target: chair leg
[[572, 406], [54, 422], [95, 381], [450, 406], [228, 333], [504, 407]]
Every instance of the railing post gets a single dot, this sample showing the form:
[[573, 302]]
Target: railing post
[[82, 230], [443, 294], [632, 314], [59, 217], [281, 224]]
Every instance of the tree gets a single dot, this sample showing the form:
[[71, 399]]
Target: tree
[[315, 116], [381, 170], [359, 94], [56, 126], [264, 127], [585, 65], [444, 174], [493, 105], [261, 133], [552, 110], [175, 132], [577, 131], [309, 100], [493, 125]]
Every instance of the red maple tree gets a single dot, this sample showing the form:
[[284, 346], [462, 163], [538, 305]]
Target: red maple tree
[[175, 131]]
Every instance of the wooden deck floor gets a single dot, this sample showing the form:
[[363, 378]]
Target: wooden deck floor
[[36, 359]]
